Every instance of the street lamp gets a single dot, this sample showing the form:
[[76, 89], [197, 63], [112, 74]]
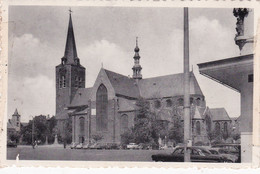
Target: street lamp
[[32, 131]]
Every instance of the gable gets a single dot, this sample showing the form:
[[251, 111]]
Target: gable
[[102, 78], [219, 114]]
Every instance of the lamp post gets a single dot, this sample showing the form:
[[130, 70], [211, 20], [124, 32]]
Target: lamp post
[[33, 132], [187, 134]]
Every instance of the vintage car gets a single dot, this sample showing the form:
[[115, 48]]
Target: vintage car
[[218, 151], [132, 146], [198, 154]]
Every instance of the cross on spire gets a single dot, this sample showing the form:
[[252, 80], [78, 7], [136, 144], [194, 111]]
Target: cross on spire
[[70, 10], [136, 41]]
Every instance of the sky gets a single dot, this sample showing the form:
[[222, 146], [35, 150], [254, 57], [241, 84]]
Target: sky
[[106, 35]]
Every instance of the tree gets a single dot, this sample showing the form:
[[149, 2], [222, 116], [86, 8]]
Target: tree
[[176, 132], [127, 137], [42, 129], [15, 136]]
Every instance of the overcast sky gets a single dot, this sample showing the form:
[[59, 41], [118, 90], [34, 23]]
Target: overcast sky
[[37, 38]]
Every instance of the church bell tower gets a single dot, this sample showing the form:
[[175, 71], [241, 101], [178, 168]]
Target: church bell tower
[[137, 67], [70, 75]]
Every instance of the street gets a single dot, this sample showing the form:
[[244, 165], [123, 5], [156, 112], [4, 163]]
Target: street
[[59, 153]]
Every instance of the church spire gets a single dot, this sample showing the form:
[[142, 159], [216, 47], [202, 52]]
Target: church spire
[[16, 112], [137, 67], [70, 55]]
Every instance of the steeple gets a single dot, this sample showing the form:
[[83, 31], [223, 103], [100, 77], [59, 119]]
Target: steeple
[[70, 55], [16, 112], [137, 67]]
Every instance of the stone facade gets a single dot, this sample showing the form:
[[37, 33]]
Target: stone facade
[[108, 108]]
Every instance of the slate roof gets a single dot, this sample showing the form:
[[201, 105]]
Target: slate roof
[[219, 114], [167, 86], [81, 97], [123, 85]]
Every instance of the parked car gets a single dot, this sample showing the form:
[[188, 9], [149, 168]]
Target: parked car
[[218, 151], [198, 154], [11, 143], [111, 146], [96, 146], [73, 145], [79, 146], [85, 146], [230, 148], [132, 146]]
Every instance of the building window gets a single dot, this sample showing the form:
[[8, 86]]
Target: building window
[[102, 108], [80, 82], [60, 82], [124, 123], [76, 81], [208, 123], [198, 101], [82, 126], [217, 128], [198, 127], [169, 103], [180, 102], [63, 80], [157, 104], [225, 130]]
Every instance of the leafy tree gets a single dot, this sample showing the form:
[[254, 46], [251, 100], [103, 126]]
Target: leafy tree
[[127, 137], [42, 128], [176, 132], [15, 136]]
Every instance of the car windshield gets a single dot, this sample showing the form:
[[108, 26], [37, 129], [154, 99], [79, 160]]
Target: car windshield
[[206, 152], [214, 152], [178, 151]]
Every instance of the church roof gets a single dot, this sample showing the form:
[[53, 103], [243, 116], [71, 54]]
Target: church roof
[[123, 85], [81, 97], [219, 114], [167, 86]]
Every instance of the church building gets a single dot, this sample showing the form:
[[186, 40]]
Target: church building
[[108, 108]]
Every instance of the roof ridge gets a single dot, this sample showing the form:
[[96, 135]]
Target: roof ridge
[[116, 73]]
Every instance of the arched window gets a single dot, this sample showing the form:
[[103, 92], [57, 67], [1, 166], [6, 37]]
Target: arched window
[[157, 104], [180, 102], [225, 130], [124, 123], [208, 123], [82, 126], [102, 108], [169, 103], [198, 127], [217, 128], [198, 101]]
